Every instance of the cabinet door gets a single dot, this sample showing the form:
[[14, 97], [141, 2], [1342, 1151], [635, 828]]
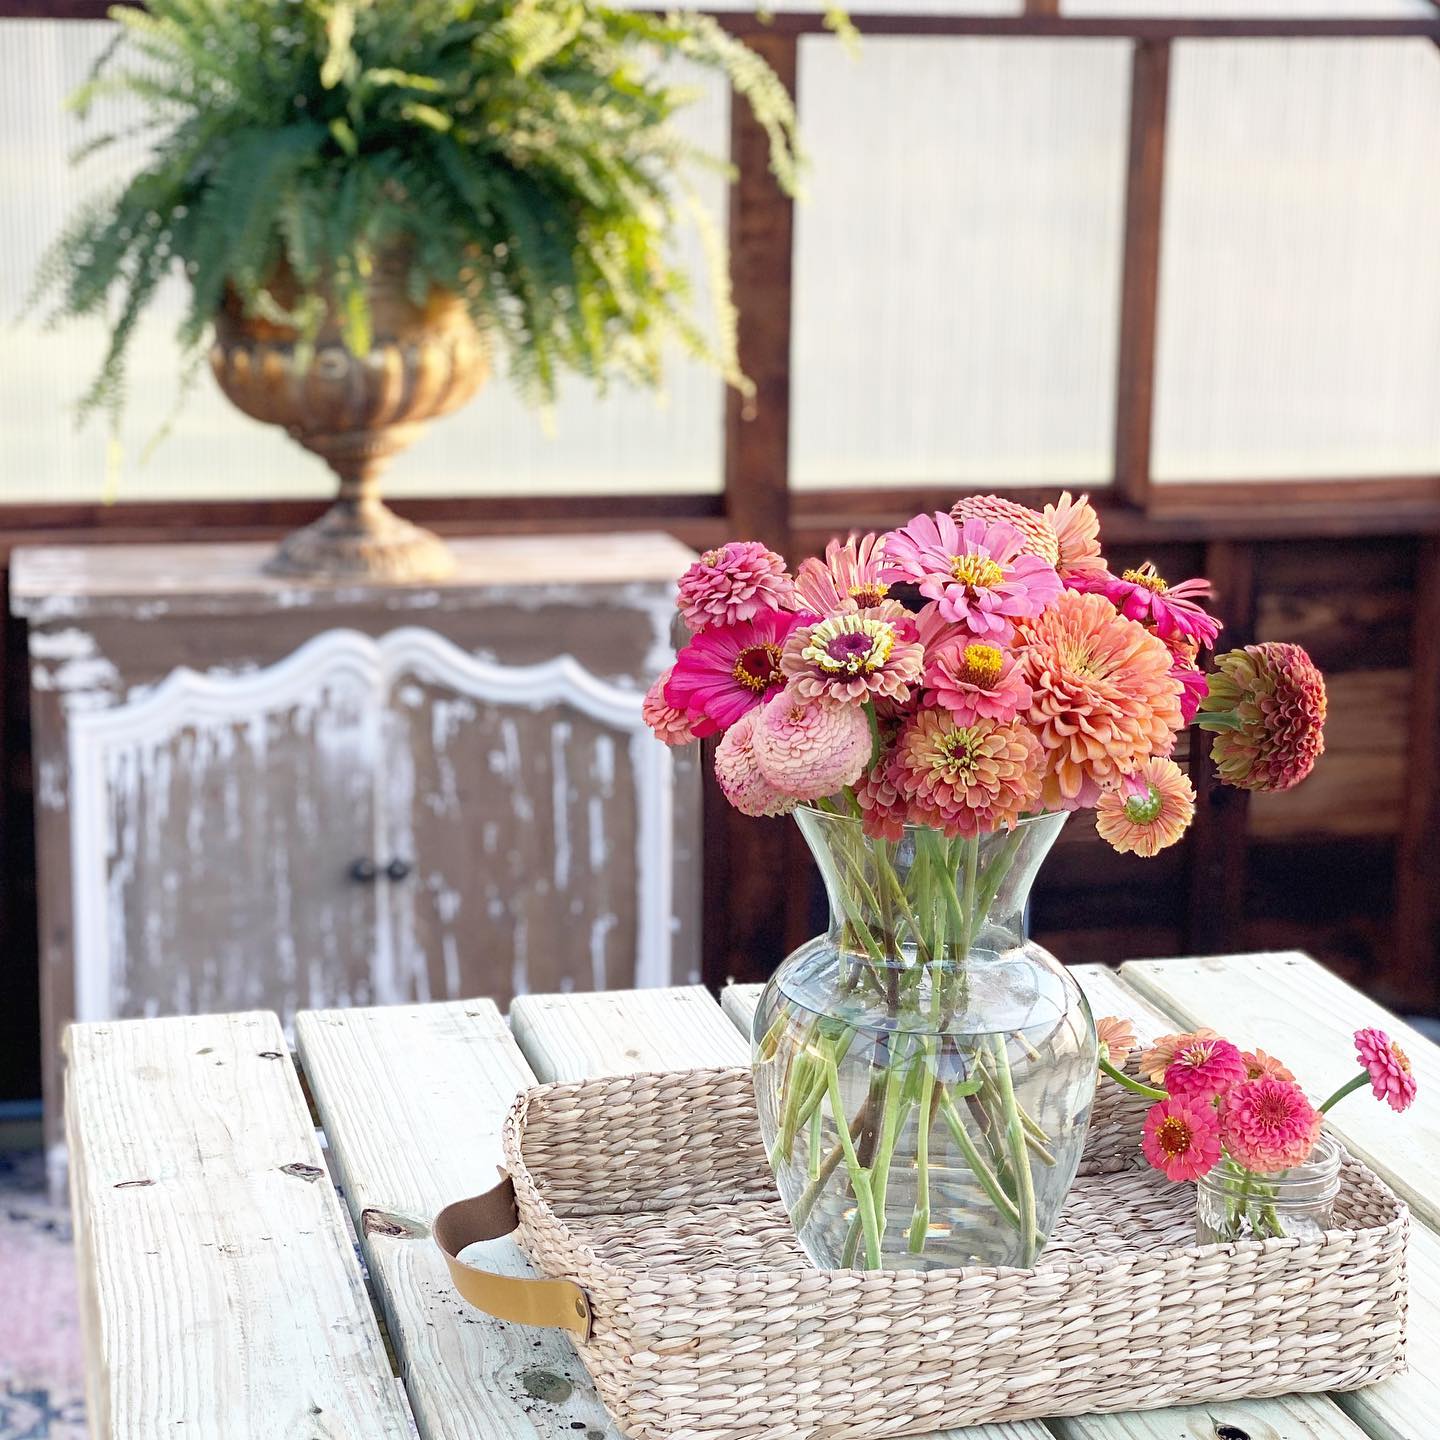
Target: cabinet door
[[534, 819], [214, 824]]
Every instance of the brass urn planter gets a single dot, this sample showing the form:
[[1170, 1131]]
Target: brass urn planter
[[355, 412]]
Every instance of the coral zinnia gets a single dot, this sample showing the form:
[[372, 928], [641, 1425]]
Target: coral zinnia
[[1388, 1066], [965, 779], [848, 578], [976, 681], [1258, 1063], [741, 779], [735, 582], [1155, 1061], [669, 724], [1117, 1039], [1036, 530], [808, 746], [1182, 1138], [1104, 699], [855, 655], [884, 811], [726, 670], [1204, 1067], [1146, 823], [1144, 595], [1077, 537], [977, 571], [1267, 707], [1268, 1124]]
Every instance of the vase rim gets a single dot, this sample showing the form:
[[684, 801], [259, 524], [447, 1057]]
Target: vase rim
[[811, 808]]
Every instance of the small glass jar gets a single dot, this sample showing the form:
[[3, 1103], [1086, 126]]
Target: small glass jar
[[1232, 1203]]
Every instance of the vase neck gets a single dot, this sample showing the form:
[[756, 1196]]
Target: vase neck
[[924, 897]]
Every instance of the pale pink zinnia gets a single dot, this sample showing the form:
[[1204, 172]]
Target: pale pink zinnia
[[1144, 595], [1117, 1039], [1035, 529], [848, 578], [1204, 1067], [1181, 1138], [975, 681], [1077, 536], [735, 582], [1155, 1061], [966, 779], [741, 780], [977, 571], [726, 670], [1388, 1066], [808, 746], [1104, 699], [1145, 821], [1268, 1124], [669, 724], [856, 655]]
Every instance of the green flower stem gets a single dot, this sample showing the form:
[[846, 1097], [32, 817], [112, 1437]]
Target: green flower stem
[[1121, 1078], [977, 1163], [1019, 1160], [813, 1191], [859, 1179], [920, 1221], [1348, 1088], [813, 1158]]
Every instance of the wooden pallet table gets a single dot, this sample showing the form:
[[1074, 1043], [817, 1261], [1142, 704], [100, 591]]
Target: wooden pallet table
[[223, 1297]]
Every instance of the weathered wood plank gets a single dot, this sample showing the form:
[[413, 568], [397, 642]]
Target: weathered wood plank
[[1298, 1010], [1291, 1417], [739, 1003], [1292, 1007], [412, 1099], [221, 1295], [570, 1037]]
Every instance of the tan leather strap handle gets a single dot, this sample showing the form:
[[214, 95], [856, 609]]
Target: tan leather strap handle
[[556, 1304]]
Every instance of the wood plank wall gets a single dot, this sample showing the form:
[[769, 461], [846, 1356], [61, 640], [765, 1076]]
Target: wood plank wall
[[1347, 867]]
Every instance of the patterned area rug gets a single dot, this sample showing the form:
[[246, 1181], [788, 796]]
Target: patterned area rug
[[41, 1376]]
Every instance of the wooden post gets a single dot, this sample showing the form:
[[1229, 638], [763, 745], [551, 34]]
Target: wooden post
[[1412, 973], [1140, 274], [1218, 841]]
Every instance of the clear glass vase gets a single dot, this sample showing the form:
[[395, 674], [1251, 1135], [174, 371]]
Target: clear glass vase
[[1232, 1203], [923, 1072]]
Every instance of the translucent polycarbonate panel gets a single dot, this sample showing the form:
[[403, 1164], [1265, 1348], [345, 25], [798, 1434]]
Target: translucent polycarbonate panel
[[627, 441], [1258, 9], [1299, 325], [958, 261]]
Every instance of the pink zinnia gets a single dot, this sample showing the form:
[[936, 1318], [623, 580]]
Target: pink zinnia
[[735, 582], [741, 779], [1034, 528], [966, 779], [1194, 686], [808, 746], [848, 578], [975, 681], [1155, 1061], [884, 811], [1182, 1138], [726, 670], [1144, 595], [669, 724], [1391, 1078], [1204, 1068], [1268, 1124], [977, 571], [856, 655]]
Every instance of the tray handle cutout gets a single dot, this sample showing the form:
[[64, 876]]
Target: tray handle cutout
[[555, 1304]]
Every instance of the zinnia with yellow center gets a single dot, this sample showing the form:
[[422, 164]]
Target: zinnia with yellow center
[[1147, 822], [1104, 698]]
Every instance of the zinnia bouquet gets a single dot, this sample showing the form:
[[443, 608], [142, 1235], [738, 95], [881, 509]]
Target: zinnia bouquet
[[1239, 1120], [922, 693]]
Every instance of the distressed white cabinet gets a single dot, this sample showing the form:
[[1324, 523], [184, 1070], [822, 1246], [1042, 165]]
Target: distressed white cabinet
[[258, 794]]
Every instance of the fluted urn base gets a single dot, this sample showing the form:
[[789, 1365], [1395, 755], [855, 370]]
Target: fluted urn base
[[370, 542]]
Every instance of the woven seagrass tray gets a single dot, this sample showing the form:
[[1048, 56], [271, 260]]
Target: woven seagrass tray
[[647, 1201]]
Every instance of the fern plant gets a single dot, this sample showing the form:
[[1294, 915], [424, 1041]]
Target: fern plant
[[520, 153]]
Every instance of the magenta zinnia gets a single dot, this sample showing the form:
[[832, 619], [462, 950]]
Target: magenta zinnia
[[965, 779], [726, 670], [977, 571], [1388, 1068], [1266, 707], [1182, 1138], [1268, 1124], [1204, 1067], [735, 582], [856, 655], [1142, 594]]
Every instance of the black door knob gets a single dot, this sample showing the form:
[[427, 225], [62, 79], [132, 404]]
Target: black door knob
[[398, 869], [363, 871]]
